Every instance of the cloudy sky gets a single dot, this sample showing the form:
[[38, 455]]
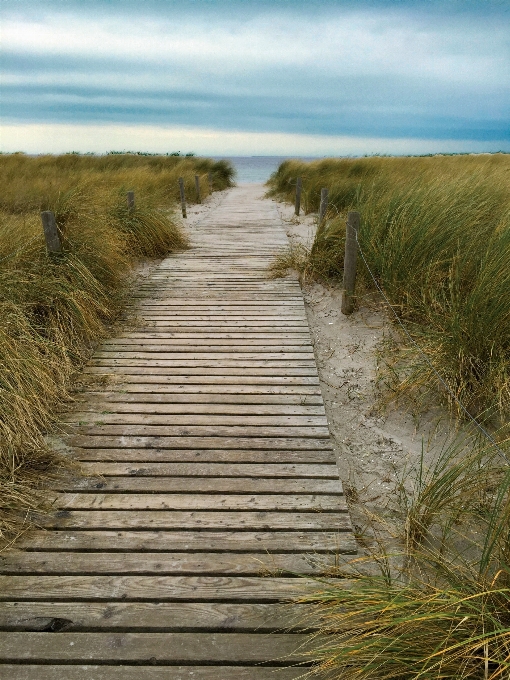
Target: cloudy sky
[[310, 77]]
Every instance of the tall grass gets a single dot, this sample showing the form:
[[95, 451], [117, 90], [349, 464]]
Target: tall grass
[[439, 608], [436, 235], [54, 308]]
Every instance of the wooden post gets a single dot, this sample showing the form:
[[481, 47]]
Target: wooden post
[[298, 195], [209, 177], [183, 199], [130, 198], [50, 232], [197, 187], [324, 205], [351, 252]]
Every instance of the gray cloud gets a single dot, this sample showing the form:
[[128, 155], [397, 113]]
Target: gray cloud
[[385, 69]]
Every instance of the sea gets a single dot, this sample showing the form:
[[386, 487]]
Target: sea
[[257, 169]]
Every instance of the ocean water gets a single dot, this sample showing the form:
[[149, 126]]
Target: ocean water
[[258, 169]]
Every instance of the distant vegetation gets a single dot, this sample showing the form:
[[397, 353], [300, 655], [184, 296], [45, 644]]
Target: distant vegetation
[[435, 233], [53, 307]]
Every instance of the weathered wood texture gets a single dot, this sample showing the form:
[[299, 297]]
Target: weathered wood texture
[[210, 483]]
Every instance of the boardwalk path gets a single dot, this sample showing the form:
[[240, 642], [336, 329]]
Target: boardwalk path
[[217, 479]]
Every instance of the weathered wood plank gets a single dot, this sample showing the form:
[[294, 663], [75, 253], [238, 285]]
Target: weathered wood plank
[[155, 360], [100, 406], [17, 562], [266, 401], [210, 347], [196, 420], [162, 455], [130, 672], [153, 385], [196, 485], [297, 384], [149, 616], [268, 502], [226, 374], [187, 430], [153, 648], [199, 520], [210, 442], [305, 470], [155, 587], [157, 353], [215, 541], [205, 335]]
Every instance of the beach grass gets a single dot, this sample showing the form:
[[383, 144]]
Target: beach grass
[[435, 236], [434, 601]]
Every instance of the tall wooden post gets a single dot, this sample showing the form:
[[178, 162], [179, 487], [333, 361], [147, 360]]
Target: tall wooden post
[[324, 205], [298, 196], [53, 243], [351, 252], [183, 198], [130, 198], [209, 177], [197, 188]]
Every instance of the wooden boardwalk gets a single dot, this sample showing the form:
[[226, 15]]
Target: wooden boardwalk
[[213, 482]]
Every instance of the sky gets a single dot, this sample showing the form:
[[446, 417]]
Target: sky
[[255, 77]]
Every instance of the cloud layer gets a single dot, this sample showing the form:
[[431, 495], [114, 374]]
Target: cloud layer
[[385, 71]]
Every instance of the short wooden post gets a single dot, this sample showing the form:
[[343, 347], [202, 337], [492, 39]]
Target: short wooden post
[[210, 179], [298, 196], [53, 243], [130, 198], [183, 199], [197, 187], [351, 252], [324, 205]]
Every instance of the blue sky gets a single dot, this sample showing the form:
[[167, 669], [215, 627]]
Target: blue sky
[[256, 77]]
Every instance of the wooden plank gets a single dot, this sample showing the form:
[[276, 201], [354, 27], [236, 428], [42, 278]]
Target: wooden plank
[[206, 346], [267, 502], [162, 455], [196, 485], [197, 443], [279, 319], [176, 520], [215, 541], [158, 354], [188, 430], [229, 378], [299, 335], [155, 360], [153, 385], [212, 375], [153, 648], [149, 616], [130, 672], [193, 399], [136, 416], [18, 562], [155, 587], [225, 470]]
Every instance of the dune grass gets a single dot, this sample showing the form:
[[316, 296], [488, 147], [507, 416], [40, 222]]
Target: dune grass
[[438, 607], [435, 232], [54, 308], [434, 603]]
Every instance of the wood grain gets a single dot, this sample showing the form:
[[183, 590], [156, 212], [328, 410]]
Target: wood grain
[[208, 496]]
